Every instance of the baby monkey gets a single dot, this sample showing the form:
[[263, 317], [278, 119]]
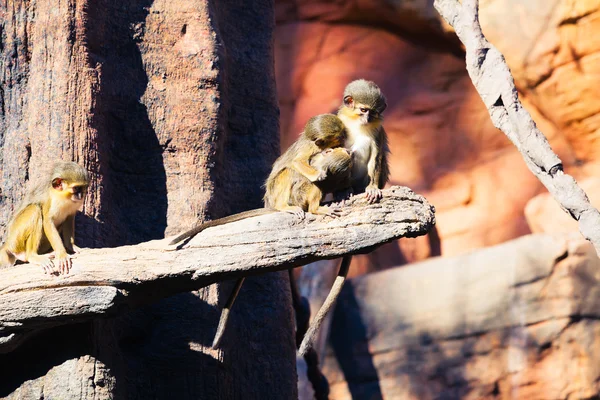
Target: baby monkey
[[45, 221]]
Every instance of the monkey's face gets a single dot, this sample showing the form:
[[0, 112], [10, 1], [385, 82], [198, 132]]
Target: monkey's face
[[73, 191], [363, 113]]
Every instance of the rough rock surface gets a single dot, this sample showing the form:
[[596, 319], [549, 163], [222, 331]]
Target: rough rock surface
[[161, 101], [514, 321]]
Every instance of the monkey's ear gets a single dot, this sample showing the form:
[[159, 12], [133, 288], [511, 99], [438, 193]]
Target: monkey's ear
[[382, 108], [348, 101], [57, 183], [320, 142]]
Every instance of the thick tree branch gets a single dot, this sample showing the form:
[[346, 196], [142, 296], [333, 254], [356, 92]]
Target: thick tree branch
[[103, 281], [492, 79]]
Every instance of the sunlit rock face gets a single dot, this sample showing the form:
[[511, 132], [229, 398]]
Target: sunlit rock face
[[442, 141]]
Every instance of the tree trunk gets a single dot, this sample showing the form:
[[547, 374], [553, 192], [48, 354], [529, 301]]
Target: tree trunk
[[171, 106]]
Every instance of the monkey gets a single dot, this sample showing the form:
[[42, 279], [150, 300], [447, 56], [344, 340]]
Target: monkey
[[305, 195], [362, 114], [298, 180], [321, 132], [45, 221], [324, 131]]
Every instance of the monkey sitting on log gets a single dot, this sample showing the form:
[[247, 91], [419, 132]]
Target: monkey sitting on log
[[45, 221], [324, 131], [297, 183], [362, 114]]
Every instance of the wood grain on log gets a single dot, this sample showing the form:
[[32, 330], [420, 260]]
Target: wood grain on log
[[103, 281]]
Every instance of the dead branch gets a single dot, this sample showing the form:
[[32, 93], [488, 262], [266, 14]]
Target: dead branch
[[492, 79], [104, 281]]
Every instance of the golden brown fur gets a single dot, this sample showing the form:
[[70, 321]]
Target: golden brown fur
[[45, 221], [362, 114], [288, 188], [305, 196]]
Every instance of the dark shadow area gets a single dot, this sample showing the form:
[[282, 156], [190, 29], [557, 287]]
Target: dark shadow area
[[155, 349], [48, 349], [350, 343], [132, 177]]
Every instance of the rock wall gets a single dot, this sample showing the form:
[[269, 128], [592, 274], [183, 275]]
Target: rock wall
[[514, 321]]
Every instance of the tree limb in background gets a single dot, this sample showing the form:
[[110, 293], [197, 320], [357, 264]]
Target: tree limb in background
[[106, 281], [492, 79]]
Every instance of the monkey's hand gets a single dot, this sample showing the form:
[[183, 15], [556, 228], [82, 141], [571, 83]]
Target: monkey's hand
[[44, 261], [374, 194], [63, 262], [296, 211]]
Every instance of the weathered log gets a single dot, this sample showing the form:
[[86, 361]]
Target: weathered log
[[103, 281]]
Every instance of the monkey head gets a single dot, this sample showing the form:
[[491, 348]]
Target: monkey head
[[70, 181], [364, 102], [326, 130]]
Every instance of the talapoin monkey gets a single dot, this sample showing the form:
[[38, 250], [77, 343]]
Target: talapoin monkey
[[362, 114], [45, 221], [288, 189], [337, 164], [321, 132]]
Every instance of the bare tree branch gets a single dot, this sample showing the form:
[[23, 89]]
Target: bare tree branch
[[492, 79], [104, 281]]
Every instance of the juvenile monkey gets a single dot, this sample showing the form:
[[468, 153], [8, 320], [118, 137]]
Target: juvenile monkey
[[45, 221], [361, 112], [305, 195], [288, 188], [321, 132]]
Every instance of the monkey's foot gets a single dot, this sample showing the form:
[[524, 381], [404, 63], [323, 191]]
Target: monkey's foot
[[343, 195], [332, 211], [374, 194], [296, 211]]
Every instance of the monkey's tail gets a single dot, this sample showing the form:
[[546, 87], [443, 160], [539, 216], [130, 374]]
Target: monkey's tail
[[221, 221], [311, 334], [225, 313]]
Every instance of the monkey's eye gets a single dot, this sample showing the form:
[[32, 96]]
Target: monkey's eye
[[364, 110]]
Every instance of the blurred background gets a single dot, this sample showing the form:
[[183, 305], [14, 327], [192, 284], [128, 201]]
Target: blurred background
[[479, 321]]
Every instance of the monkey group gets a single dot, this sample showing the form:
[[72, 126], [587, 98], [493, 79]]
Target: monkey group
[[342, 154], [345, 153]]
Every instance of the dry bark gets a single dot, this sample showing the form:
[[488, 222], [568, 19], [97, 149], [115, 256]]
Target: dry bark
[[106, 281], [492, 79]]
